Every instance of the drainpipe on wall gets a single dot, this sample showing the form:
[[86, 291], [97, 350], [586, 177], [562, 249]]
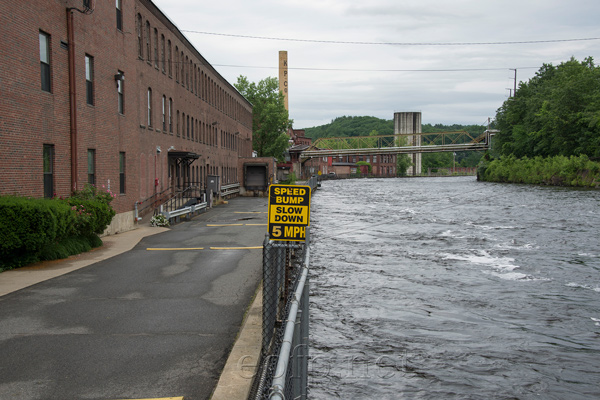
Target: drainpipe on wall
[[72, 99]]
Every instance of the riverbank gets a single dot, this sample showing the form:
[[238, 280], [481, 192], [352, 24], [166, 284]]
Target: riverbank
[[552, 171]]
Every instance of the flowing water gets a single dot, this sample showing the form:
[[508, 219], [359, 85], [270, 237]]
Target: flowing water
[[449, 288]]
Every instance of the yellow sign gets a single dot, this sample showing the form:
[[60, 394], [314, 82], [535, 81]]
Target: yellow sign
[[289, 212]]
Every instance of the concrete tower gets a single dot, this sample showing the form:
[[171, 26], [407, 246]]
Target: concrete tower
[[406, 123], [283, 76]]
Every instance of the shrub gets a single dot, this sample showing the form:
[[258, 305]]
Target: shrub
[[291, 179], [91, 216], [28, 225], [92, 210], [46, 229], [557, 171], [159, 220]]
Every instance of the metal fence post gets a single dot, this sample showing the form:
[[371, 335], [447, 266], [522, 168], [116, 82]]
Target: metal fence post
[[269, 295]]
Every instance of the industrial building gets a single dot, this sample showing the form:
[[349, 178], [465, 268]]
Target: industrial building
[[113, 94]]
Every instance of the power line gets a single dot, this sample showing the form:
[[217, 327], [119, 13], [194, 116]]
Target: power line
[[394, 43], [373, 70]]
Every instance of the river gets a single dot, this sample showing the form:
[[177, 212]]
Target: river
[[449, 288]]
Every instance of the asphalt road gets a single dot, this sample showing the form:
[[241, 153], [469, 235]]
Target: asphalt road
[[157, 321]]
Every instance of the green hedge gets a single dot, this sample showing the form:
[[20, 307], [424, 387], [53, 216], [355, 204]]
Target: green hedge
[[557, 171], [46, 229], [27, 226]]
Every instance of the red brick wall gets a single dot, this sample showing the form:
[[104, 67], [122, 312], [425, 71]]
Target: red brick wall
[[30, 117]]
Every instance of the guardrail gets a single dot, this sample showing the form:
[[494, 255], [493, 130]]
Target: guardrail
[[313, 182], [228, 190], [187, 211]]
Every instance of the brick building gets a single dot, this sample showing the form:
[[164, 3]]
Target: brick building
[[113, 94], [383, 165]]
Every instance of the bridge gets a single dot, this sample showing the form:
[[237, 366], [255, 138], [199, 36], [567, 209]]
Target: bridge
[[406, 143]]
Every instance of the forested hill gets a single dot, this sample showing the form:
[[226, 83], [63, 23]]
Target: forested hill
[[363, 126]]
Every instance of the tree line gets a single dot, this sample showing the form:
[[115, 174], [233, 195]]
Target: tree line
[[557, 112], [549, 131]]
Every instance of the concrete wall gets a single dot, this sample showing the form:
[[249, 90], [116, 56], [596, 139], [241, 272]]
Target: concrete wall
[[122, 222], [410, 122]]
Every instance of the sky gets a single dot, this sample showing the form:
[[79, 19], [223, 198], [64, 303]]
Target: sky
[[452, 60]]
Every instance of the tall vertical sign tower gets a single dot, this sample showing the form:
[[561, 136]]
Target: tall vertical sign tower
[[283, 77]]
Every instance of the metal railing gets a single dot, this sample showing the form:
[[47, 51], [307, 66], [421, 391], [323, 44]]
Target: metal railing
[[152, 203], [193, 194], [228, 190], [283, 369], [313, 182]]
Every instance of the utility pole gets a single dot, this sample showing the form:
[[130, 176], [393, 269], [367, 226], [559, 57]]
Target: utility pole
[[515, 83]]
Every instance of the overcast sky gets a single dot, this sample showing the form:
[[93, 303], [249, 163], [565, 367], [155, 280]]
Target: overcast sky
[[459, 83]]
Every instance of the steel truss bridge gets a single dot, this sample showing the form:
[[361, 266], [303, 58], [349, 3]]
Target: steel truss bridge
[[406, 143]]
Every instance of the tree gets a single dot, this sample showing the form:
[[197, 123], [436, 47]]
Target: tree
[[270, 119], [403, 161], [557, 112]]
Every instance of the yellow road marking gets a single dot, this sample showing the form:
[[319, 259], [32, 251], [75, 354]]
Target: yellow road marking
[[173, 248], [164, 398], [201, 248], [224, 224], [221, 225], [236, 248]]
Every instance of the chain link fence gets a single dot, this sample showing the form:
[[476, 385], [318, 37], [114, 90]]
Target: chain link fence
[[283, 368]]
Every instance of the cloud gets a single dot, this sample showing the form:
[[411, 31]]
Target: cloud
[[355, 83]]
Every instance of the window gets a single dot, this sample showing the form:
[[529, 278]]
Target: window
[[48, 170], [164, 113], [45, 61], [89, 79], [183, 125], [122, 173], [156, 48], [162, 49], [91, 166], [148, 41], [176, 64], [170, 115], [149, 107], [182, 70], [192, 129], [120, 95], [140, 34], [169, 58], [119, 16], [178, 131]]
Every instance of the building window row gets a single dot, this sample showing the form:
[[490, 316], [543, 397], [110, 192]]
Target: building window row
[[48, 169], [89, 68], [229, 175], [188, 127], [187, 73]]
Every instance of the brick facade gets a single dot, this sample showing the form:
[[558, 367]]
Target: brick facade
[[208, 117]]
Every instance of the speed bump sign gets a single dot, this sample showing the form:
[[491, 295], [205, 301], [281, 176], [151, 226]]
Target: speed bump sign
[[289, 212]]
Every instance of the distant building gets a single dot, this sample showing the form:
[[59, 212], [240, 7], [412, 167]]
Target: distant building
[[115, 96]]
